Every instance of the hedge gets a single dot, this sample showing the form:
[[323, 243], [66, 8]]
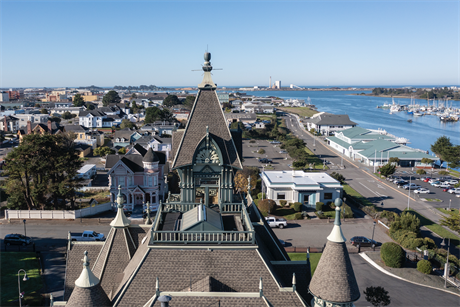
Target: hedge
[[424, 266], [261, 195], [296, 206], [283, 203], [319, 206], [298, 216], [392, 255]]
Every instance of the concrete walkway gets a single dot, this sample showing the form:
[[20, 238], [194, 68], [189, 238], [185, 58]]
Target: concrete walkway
[[54, 273]]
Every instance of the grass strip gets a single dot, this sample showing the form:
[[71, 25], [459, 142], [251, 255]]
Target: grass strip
[[358, 197], [436, 228], [452, 212], [302, 111], [314, 259], [11, 263]]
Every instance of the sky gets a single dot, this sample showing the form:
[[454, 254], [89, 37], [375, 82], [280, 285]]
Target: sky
[[306, 43]]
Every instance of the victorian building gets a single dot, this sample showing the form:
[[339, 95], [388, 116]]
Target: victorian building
[[203, 247]]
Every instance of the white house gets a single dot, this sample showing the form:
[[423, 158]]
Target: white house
[[298, 186], [328, 124], [87, 171]]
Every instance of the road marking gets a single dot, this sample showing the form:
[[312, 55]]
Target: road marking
[[375, 192]]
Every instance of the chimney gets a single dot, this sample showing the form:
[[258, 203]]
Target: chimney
[[49, 126], [29, 127]]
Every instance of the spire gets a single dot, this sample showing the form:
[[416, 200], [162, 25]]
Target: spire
[[207, 79], [336, 233], [87, 278], [120, 220]]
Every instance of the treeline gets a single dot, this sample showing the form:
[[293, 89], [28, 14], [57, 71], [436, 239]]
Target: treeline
[[134, 88], [438, 93]]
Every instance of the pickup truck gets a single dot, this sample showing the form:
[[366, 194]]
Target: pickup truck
[[411, 186], [274, 222], [87, 235]]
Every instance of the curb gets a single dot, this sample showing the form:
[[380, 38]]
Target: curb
[[378, 267]]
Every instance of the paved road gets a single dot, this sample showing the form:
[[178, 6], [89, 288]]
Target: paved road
[[251, 157], [401, 293], [308, 233]]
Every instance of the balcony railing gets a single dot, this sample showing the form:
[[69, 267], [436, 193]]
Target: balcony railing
[[193, 237]]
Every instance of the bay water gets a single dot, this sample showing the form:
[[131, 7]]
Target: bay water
[[422, 132]]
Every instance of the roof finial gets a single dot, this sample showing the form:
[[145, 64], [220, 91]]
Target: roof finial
[[120, 219], [207, 68], [293, 282], [336, 233], [87, 278], [148, 221], [261, 288]]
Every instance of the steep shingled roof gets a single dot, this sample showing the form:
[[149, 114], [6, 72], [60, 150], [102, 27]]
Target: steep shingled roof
[[206, 112]]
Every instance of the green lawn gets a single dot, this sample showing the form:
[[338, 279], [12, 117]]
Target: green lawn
[[454, 211], [314, 259], [358, 197], [302, 111], [433, 199], [11, 262], [436, 228]]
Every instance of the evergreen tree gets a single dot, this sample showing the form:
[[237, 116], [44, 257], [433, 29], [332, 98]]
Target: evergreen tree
[[111, 97], [78, 100], [377, 296]]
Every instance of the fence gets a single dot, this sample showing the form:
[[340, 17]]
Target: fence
[[57, 214]]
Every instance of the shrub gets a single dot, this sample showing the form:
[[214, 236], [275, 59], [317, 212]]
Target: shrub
[[299, 164], [267, 206], [406, 221], [453, 259], [261, 151], [392, 255], [261, 195], [283, 203], [296, 206], [424, 266], [389, 215], [443, 173], [412, 244], [429, 243], [298, 216], [252, 141], [421, 172], [319, 206]]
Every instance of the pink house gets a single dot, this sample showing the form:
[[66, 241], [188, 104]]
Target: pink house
[[140, 174]]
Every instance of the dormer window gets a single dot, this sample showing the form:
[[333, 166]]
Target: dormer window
[[118, 139]]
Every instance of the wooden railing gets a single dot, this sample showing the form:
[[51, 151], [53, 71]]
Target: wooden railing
[[221, 237]]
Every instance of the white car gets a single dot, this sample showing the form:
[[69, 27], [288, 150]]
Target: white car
[[422, 191], [454, 191], [452, 181]]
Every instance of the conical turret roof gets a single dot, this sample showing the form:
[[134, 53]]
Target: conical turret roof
[[150, 156], [120, 219], [334, 280], [88, 290]]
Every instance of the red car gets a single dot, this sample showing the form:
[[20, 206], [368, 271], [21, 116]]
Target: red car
[[446, 189], [427, 179]]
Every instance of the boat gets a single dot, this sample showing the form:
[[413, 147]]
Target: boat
[[409, 120]]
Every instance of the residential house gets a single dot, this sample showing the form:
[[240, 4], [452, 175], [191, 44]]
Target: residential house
[[156, 143], [264, 108], [375, 148], [33, 118], [87, 171], [50, 127], [328, 124], [245, 118], [299, 186], [93, 138], [9, 123], [140, 174], [83, 150], [181, 114], [259, 125], [125, 137]]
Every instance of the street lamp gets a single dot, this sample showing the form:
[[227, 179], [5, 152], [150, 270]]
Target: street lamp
[[408, 194], [25, 233], [446, 268], [21, 295], [373, 230]]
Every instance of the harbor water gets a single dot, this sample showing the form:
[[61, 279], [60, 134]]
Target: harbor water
[[421, 132]]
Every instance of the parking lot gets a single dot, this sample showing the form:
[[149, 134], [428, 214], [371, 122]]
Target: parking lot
[[435, 193], [272, 152]]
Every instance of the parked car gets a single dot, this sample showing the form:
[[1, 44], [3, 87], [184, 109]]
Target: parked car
[[87, 235], [454, 190], [401, 183], [411, 186], [274, 222], [363, 241], [422, 191], [435, 182], [265, 160], [457, 195], [275, 142], [452, 181], [442, 185], [427, 179], [283, 152], [432, 180], [16, 239]]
